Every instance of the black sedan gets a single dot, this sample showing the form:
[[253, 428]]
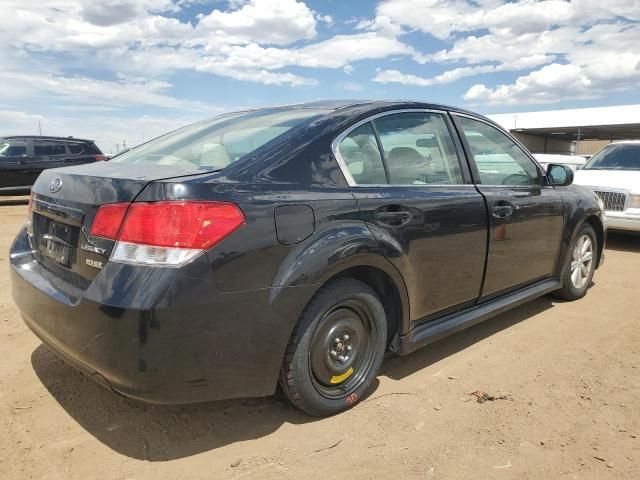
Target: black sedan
[[294, 245]]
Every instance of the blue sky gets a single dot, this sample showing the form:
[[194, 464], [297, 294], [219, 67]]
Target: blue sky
[[129, 70]]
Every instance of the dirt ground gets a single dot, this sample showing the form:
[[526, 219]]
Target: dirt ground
[[569, 372]]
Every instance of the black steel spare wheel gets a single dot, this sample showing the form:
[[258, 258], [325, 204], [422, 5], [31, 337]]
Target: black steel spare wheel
[[342, 348], [336, 349]]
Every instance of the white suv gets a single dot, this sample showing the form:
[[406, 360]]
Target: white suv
[[614, 174]]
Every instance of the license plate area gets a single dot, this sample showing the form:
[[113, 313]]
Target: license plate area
[[56, 240], [57, 252]]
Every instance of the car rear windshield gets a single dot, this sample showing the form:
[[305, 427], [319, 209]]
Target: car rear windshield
[[214, 144], [616, 157]]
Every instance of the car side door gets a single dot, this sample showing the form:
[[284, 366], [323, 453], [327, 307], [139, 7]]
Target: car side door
[[13, 153], [526, 213], [416, 195]]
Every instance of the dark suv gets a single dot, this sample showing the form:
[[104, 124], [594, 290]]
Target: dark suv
[[295, 245], [22, 159]]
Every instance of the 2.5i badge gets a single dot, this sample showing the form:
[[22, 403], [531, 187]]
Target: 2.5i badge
[[93, 263]]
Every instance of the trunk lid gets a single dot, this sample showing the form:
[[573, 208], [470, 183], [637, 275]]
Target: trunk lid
[[64, 204]]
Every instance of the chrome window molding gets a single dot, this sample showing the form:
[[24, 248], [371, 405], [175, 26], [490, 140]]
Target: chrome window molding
[[343, 165]]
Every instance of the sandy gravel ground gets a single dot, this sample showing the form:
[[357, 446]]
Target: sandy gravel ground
[[569, 372]]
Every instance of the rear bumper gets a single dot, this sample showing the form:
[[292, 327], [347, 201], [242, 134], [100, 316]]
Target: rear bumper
[[157, 336], [620, 221]]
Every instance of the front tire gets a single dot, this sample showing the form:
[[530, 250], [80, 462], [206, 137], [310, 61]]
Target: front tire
[[336, 348], [579, 265]]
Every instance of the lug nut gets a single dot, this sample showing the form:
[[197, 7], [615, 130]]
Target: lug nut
[[337, 340], [341, 358], [333, 353], [345, 337], [348, 348]]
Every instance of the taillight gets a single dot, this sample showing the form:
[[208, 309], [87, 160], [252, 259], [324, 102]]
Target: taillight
[[167, 233], [108, 220], [100, 158]]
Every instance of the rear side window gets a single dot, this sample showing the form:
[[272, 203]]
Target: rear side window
[[360, 153], [48, 148], [418, 149], [83, 149], [499, 160], [13, 148], [77, 148]]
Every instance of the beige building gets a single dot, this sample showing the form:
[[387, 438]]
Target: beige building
[[581, 131]]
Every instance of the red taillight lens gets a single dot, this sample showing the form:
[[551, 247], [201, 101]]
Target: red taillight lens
[[100, 158], [180, 224], [176, 224], [108, 220]]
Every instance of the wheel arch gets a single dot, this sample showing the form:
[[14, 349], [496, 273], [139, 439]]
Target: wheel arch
[[598, 227], [387, 290]]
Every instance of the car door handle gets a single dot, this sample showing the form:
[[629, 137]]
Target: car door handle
[[393, 218], [502, 209]]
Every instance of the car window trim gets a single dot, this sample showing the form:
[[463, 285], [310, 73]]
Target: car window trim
[[345, 169], [472, 161], [52, 141]]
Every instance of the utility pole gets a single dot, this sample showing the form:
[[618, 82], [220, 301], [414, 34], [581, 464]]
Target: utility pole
[[124, 144], [39, 128]]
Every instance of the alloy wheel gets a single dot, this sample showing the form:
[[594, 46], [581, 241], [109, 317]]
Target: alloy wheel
[[581, 261]]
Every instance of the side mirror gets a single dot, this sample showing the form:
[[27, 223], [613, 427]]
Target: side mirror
[[559, 175]]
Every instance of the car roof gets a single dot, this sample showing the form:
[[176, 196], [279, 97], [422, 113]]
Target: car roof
[[630, 142], [558, 156], [44, 137], [359, 109], [360, 105]]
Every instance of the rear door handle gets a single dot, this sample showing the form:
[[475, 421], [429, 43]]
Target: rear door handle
[[502, 209], [393, 218]]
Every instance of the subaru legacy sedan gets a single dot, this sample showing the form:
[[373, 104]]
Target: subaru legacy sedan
[[294, 246]]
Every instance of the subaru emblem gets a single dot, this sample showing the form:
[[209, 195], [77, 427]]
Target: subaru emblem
[[55, 185]]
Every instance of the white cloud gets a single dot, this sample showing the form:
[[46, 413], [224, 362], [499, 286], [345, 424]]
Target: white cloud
[[97, 93], [252, 41], [112, 12], [578, 49], [263, 21], [549, 84]]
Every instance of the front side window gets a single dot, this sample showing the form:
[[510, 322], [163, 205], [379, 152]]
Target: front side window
[[13, 148], [359, 150], [499, 160], [418, 149], [617, 156], [48, 148]]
